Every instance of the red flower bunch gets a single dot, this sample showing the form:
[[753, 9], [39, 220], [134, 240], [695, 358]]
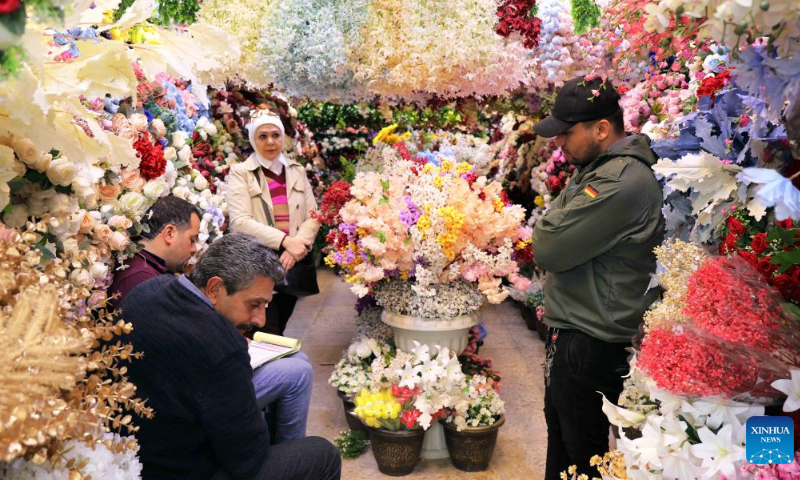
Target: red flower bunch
[[689, 364], [409, 418], [8, 6], [333, 200], [728, 298], [516, 16], [712, 84], [206, 160], [152, 163], [404, 394]]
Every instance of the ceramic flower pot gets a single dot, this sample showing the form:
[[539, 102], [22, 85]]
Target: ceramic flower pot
[[452, 333], [397, 452], [352, 421], [471, 449]]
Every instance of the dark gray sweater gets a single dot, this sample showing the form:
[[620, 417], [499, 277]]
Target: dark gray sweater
[[196, 375]]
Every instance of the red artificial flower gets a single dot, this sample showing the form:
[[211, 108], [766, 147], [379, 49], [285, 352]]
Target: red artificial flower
[[759, 243], [514, 16], [766, 267], [333, 200], [404, 394], [786, 223], [785, 285], [730, 245], [748, 257], [8, 6], [409, 418], [553, 184], [684, 363], [727, 298], [152, 163], [735, 226], [711, 85]]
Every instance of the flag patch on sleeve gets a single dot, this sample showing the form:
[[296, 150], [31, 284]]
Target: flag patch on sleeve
[[590, 191]]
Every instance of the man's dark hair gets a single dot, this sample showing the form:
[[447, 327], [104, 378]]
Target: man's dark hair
[[168, 210], [617, 121], [237, 258]]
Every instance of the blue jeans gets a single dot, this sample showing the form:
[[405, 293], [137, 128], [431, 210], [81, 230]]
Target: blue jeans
[[284, 385]]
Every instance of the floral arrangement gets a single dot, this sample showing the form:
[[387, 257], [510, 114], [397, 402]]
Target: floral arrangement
[[111, 456], [58, 337], [389, 408], [518, 16], [305, 45], [473, 366], [424, 378], [409, 50], [478, 404], [410, 222]]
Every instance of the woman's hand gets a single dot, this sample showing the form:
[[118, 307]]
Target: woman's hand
[[298, 247], [287, 260]]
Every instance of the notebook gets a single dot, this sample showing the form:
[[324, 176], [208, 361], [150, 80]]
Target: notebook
[[266, 347]]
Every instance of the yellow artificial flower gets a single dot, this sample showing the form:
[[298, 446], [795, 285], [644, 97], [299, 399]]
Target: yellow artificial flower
[[446, 166], [406, 136], [423, 224], [438, 182], [392, 139], [463, 168], [429, 168], [539, 201], [498, 205], [385, 132], [329, 261], [403, 275]]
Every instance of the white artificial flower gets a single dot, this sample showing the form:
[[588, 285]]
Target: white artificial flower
[[60, 204], [179, 139], [621, 417], [681, 464], [210, 129], [200, 183], [70, 245], [133, 203], [17, 217], [85, 191], [185, 154], [719, 453], [791, 387], [81, 276], [61, 171], [99, 270], [774, 190], [181, 192], [156, 189], [409, 376]]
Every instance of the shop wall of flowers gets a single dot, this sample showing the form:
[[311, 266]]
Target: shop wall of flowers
[[108, 105]]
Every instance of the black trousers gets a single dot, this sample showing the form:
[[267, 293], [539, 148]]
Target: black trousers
[[279, 311], [309, 458], [577, 429]]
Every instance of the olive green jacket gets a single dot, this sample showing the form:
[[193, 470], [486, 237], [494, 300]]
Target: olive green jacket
[[596, 243]]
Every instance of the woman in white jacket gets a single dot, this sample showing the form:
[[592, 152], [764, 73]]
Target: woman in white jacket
[[269, 196]]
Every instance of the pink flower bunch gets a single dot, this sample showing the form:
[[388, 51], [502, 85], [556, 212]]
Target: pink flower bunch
[[686, 363], [789, 471], [558, 171], [636, 109]]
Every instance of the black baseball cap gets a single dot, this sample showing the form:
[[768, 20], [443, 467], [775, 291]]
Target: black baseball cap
[[576, 102]]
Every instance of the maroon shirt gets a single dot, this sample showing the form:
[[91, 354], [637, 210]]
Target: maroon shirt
[[143, 266]]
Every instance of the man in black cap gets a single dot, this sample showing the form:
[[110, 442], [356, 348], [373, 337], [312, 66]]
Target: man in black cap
[[596, 243]]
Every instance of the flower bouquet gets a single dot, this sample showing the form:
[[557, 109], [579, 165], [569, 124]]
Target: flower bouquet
[[429, 226], [393, 422], [472, 424]]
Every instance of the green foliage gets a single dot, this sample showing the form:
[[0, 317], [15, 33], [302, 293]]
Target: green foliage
[[11, 60], [585, 15], [351, 443], [170, 12]]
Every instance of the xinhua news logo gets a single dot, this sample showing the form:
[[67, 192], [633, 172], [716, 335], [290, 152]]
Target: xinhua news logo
[[770, 440]]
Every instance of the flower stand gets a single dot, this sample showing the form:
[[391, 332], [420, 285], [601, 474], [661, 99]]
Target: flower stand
[[471, 449], [396, 452], [452, 333]]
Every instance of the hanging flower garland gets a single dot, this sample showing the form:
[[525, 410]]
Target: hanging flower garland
[[519, 16], [304, 47], [417, 49]]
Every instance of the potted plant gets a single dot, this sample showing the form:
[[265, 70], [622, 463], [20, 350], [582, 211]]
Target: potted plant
[[351, 374], [394, 430], [471, 426]]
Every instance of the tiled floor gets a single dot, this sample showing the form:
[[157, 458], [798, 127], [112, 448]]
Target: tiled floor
[[326, 324]]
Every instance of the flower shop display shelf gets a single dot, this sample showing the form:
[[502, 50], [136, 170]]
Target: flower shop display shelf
[[451, 333]]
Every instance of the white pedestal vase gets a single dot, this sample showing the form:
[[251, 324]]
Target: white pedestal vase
[[452, 333]]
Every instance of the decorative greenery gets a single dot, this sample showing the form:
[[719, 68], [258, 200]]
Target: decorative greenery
[[586, 15], [170, 12], [351, 443]]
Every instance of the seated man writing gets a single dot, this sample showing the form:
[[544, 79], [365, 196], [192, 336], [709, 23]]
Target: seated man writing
[[196, 375], [284, 384]]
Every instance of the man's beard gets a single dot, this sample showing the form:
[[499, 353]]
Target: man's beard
[[592, 153]]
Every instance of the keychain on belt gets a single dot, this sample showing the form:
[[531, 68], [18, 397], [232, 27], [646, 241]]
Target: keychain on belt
[[550, 354]]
